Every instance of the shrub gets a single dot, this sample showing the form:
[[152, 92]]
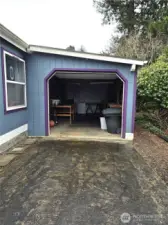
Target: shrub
[[147, 124], [153, 82]]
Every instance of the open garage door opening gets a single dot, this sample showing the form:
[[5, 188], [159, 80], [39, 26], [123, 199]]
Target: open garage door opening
[[81, 103]]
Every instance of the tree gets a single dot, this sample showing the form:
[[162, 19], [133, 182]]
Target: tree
[[159, 27], [71, 48], [132, 15], [82, 49], [137, 46]]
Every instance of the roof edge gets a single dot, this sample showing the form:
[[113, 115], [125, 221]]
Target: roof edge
[[86, 55], [9, 36]]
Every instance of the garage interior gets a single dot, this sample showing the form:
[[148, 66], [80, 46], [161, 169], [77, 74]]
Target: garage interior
[[77, 101]]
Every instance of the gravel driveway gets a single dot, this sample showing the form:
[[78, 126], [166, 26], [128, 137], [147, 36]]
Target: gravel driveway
[[81, 183]]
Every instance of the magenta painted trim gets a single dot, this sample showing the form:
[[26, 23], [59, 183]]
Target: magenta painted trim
[[3, 83], [125, 83], [134, 102], [124, 120]]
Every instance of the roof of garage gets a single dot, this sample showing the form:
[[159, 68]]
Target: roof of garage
[[15, 40], [86, 55]]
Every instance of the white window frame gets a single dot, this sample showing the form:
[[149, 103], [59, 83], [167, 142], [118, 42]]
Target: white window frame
[[9, 108]]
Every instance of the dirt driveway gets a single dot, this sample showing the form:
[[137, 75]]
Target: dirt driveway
[[81, 183]]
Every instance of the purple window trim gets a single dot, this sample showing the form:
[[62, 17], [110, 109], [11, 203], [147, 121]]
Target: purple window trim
[[125, 83], [3, 79], [134, 102], [15, 110], [12, 53], [3, 83]]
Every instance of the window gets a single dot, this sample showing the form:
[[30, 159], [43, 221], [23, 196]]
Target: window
[[15, 82]]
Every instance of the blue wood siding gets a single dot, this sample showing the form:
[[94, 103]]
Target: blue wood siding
[[40, 65], [11, 120]]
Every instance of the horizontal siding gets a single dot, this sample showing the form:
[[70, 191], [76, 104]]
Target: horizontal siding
[[40, 65], [12, 120]]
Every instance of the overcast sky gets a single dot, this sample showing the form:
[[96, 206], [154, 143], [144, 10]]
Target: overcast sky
[[56, 23]]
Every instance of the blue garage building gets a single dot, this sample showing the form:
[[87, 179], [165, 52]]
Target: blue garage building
[[26, 72]]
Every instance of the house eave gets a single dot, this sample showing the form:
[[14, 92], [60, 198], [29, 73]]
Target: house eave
[[12, 38]]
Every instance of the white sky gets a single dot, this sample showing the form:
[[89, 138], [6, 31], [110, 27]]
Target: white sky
[[56, 23]]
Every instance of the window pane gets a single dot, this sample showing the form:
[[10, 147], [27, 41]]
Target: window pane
[[16, 94], [15, 69]]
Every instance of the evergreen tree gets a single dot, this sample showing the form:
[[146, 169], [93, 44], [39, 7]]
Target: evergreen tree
[[132, 15]]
